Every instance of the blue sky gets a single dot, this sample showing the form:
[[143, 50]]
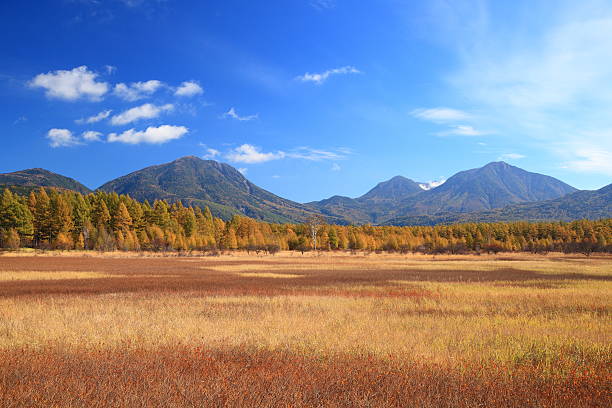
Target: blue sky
[[309, 98]]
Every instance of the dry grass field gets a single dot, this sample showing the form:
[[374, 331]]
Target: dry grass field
[[290, 330]]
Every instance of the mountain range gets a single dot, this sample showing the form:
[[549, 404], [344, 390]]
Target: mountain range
[[494, 192]]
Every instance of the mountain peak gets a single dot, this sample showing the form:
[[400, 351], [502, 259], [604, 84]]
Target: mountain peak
[[497, 164], [394, 189], [190, 158]]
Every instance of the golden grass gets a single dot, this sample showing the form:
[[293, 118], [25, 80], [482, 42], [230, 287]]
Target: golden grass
[[548, 315], [57, 275], [269, 275]]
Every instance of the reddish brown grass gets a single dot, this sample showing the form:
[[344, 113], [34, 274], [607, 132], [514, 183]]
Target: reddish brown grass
[[200, 277], [180, 377]]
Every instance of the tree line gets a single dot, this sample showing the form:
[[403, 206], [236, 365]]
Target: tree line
[[66, 220]]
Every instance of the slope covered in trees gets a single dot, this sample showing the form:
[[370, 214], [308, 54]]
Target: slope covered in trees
[[207, 183], [108, 221], [25, 181]]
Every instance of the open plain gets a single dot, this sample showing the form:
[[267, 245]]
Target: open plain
[[511, 330]]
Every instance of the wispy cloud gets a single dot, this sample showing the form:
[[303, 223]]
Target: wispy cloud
[[323, 76], [322, 4], [440, 114], [62, 138], [546, 79], [146, 111], [189, 88], [95, 118], [336, 167], [152, 135], [511, 156], [462, 130], [20, 119], [137, 90], [250, 154], [78, 83], [233, 115], [591, 160], [445, 116], [211, 154], [308, 153]]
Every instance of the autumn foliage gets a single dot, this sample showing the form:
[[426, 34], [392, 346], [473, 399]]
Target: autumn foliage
[[101, 221]]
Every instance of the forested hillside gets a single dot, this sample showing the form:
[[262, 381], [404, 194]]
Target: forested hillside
[[52, 219], [207, 183], [25, 181]]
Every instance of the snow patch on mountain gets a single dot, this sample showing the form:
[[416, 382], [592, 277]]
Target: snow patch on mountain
[[432, 184]]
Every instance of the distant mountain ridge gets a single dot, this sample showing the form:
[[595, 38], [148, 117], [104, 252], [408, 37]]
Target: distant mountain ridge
[[585, 204], [370, 206], [495, 185], [26, 180], [494, 192]]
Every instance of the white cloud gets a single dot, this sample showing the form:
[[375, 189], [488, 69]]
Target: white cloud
[[211, 154], [62, 138], [462, 130], [591, 160], [95, 118], [320, 78], [511, 156], [250, 154], [189, 88], [440, 114], [232, 114], [243, 170], [146, 111], [71, 85], [91, 136], [152, 135], [276, 176], [110, 69], [336, 167], [137, 90]]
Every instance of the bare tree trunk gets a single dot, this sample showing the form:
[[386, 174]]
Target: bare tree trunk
[[315, 222]]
